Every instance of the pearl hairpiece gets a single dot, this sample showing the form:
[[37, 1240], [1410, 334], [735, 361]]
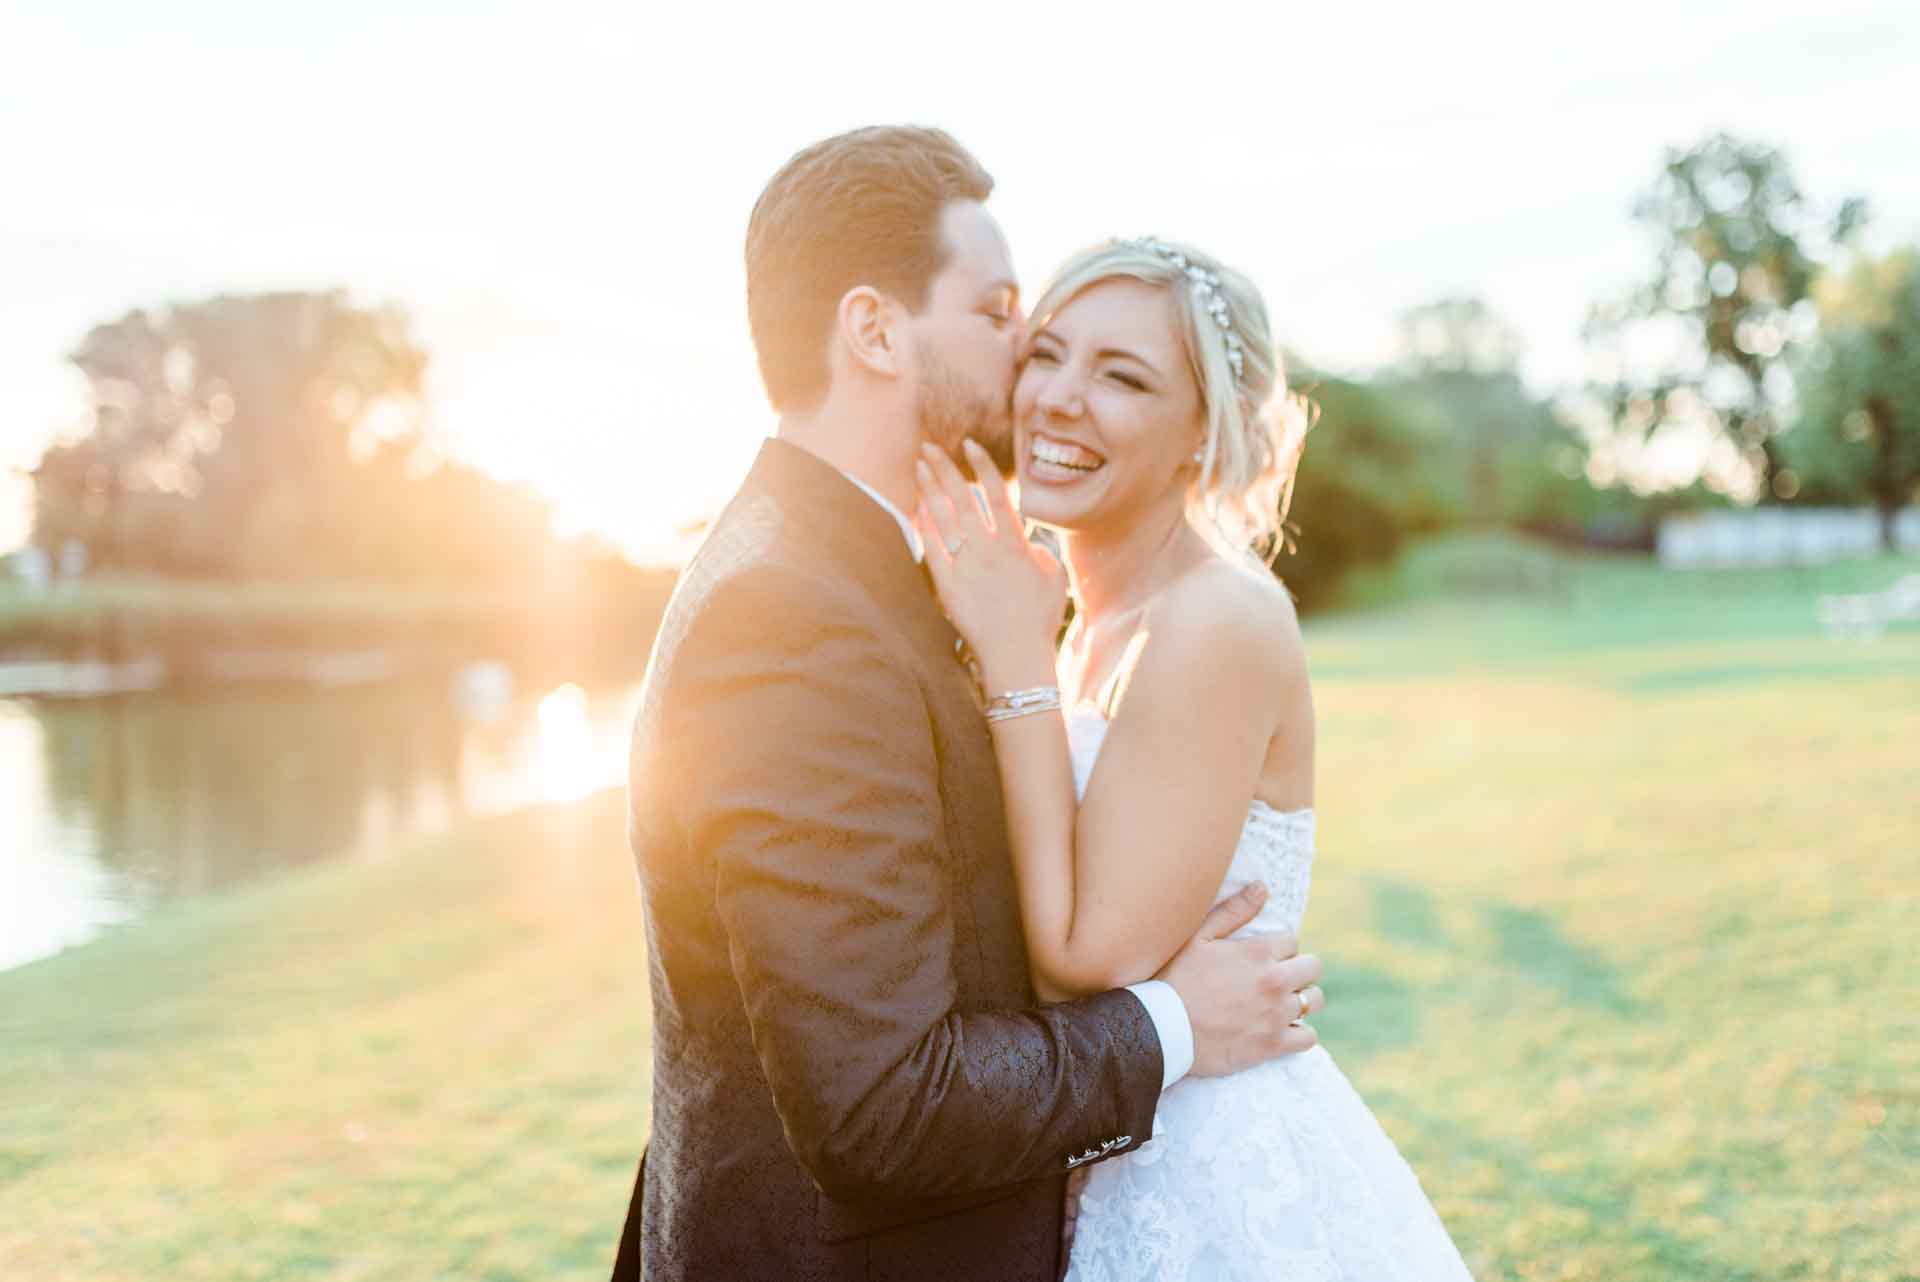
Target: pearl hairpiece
[[1206, 286]]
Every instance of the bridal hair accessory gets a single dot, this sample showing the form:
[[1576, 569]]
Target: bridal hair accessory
[[1206, 286], [1023, 703]]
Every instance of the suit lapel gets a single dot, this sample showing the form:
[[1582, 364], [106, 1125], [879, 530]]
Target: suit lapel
[[862, 541]]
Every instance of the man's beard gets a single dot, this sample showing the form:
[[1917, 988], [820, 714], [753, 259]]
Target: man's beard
[[951, 411]]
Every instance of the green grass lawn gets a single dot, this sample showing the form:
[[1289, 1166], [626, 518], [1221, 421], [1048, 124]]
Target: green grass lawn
[[1617, 889]]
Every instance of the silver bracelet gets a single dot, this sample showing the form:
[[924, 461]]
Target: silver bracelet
[[1023, 703]]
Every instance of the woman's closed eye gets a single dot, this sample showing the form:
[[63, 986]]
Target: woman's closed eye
[[1045, 355]]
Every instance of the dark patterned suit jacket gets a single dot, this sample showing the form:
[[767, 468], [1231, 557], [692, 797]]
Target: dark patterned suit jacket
[[851, 1077]]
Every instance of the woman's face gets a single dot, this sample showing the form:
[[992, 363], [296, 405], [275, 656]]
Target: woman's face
[[1106, 412]]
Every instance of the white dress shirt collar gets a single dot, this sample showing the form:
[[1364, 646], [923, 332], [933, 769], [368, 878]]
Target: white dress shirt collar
[[906, 527]]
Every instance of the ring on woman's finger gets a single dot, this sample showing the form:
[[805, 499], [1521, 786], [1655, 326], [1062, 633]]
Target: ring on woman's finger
[[955, 543], [1305, 1006]]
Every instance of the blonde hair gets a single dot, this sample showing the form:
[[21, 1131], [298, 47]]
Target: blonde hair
[[1256, 426]]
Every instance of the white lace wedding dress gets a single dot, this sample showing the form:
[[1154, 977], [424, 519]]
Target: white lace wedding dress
[[1276, 1174]]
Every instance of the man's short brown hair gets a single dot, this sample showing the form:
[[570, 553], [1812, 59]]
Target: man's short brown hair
[[860, 208]]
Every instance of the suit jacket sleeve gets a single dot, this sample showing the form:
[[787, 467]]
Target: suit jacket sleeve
[[811, 781]]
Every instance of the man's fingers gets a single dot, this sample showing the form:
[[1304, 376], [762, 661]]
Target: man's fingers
[[1295, 1038], [1233, 912], [1297, 973]]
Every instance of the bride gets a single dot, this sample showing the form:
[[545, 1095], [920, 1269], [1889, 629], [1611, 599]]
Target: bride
[[1155, 433]]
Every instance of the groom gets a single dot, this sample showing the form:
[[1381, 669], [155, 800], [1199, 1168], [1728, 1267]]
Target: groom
[[851, 1076]]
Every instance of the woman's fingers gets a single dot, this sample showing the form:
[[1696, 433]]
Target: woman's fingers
[[999, 496], [954, 485], [947, 529], [934, 554]]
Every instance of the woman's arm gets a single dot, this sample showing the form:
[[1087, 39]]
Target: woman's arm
[[1111, 888]]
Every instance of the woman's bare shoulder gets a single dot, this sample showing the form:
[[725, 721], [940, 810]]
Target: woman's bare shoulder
[[1238, 622], [1221, 600]]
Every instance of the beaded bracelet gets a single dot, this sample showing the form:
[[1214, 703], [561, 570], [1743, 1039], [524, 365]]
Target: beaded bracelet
[[1023, 703]]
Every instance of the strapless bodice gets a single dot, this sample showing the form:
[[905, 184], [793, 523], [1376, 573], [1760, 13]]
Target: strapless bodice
[[1275, 846], [1277, 1171]]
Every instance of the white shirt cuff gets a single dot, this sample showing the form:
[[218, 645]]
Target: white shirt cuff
[[1170, 1022]]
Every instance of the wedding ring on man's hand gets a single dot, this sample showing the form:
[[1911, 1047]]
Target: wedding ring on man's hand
[[1302, 1016]]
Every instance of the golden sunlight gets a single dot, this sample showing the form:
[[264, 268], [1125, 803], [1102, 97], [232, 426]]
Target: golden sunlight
[[567, 758]]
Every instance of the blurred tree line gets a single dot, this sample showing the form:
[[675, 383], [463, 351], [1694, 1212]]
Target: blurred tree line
[[1446, 437], [1785, 354], [1858, 435], [283, 436], [280, 436], [1767, 328]]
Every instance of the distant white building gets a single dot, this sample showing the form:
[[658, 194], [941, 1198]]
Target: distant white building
[[73, 559], [32, 566], [1778, 536]]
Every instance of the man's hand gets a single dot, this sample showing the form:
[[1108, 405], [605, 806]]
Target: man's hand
[[1245, 997]]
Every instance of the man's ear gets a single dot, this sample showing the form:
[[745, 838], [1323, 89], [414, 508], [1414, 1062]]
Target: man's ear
[[868, 323]]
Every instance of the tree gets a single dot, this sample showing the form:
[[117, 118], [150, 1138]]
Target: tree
[[1706, 342], [1859, 432], [1461, 360], [1457, 335], [1359, 490], [228, 434], [275, 435]]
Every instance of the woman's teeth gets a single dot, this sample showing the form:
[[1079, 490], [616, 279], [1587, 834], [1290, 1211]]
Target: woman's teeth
[[1071, 457]]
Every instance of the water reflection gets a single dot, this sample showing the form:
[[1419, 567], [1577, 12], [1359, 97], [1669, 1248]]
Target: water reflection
[[108, 807]]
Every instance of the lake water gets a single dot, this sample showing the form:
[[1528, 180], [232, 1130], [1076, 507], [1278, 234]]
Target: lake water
[[110, 807]]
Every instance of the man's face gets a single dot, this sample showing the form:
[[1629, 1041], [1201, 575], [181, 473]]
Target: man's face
[[966, 341]]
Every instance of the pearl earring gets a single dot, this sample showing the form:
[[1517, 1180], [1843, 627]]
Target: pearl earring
[[1199, 456]]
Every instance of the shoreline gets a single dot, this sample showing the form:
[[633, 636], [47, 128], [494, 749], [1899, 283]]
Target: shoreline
[[24, 678]]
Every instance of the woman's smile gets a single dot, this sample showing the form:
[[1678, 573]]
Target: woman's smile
[[1053, 461]]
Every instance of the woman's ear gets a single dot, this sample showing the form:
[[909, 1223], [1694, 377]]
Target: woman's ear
[[868, 326]]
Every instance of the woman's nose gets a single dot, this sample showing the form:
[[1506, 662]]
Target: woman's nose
[[1060, 395]]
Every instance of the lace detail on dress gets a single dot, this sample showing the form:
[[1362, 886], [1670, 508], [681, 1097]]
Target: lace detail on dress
[[1277, 1174]]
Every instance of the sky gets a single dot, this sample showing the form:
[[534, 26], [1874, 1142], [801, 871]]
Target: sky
[[559, 192]]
